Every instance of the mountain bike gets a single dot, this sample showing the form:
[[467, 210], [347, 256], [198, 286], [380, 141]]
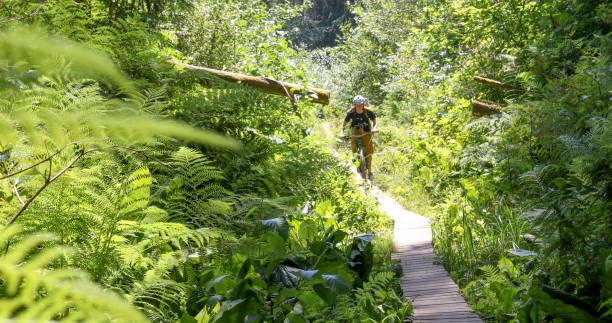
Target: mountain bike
[[362, 168]]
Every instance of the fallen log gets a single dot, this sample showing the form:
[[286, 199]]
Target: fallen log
[[495, 83], [265, 84], [484, 108]]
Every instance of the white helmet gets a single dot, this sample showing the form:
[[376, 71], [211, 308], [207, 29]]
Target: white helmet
[[359, 100]]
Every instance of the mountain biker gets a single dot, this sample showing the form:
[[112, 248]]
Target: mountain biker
[[360, 116]]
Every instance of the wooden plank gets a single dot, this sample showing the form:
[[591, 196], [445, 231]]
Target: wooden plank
[[435, 296], [418, 253], [427, 279], [420, 268], [428, 291], [423, 258], [445, 317], [415, 252], [416, 271], [430, 284], [446, 308], [449, 299], [434, 271], [425, 275]]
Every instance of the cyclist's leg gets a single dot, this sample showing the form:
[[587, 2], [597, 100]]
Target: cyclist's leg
[[356, 132], [369, 149], [354, 140]]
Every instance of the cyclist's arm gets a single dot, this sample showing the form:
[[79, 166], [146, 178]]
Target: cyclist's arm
[[346, 120], [342, 129], [374, 120]]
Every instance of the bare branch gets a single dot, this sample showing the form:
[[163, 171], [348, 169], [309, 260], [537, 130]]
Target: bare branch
[[33, 13], [40, 162], [14, 183], [47, 182], [49, 179]]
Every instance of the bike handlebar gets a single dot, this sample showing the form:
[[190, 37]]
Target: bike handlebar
[[359, 136]]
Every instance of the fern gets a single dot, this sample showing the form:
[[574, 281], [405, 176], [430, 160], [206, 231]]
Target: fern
[[491, 274], [194, 195], [161, 300], [62, 111], [573, 146], [378, 301], [138, 242], [31, 291], [194, 168], [33, 46], [137, 192]]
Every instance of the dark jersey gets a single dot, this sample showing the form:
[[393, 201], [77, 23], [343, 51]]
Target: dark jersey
[[359, 120]]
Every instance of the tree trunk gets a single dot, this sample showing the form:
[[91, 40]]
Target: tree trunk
[[484, 108], [265, 84], [495, 83]]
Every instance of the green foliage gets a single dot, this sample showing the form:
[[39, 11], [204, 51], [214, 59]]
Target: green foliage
[[192, 196], [62, 111], [320, 23], [559, 304], [22, 49], [528, 187], [32, 289], [107, 153]]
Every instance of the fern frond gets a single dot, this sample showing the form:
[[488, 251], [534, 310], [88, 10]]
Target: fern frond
[[32, 291], [32, 46], [573, 146], [491, 273], [138, 191], [194, 196], [163, 233], [194, 168], [161, 300], [59, 110]]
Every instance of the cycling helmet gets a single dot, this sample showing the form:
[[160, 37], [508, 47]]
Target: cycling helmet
[[359, 100]]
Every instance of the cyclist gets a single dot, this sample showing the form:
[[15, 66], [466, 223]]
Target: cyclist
[[360, 116]]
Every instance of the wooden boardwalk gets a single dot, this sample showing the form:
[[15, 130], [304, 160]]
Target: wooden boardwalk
[[435, 296]]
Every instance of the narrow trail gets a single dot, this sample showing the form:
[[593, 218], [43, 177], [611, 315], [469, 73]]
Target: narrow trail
[[435, 296]]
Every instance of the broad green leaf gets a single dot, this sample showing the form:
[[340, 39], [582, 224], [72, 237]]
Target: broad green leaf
[[308, 274], [551, 304], [279, 225]]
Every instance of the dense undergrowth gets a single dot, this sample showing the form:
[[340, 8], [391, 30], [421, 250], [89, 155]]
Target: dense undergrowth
[[521, 200], [133, 190]]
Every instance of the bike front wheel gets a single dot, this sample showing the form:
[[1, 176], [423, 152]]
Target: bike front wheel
[[363, 165]]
